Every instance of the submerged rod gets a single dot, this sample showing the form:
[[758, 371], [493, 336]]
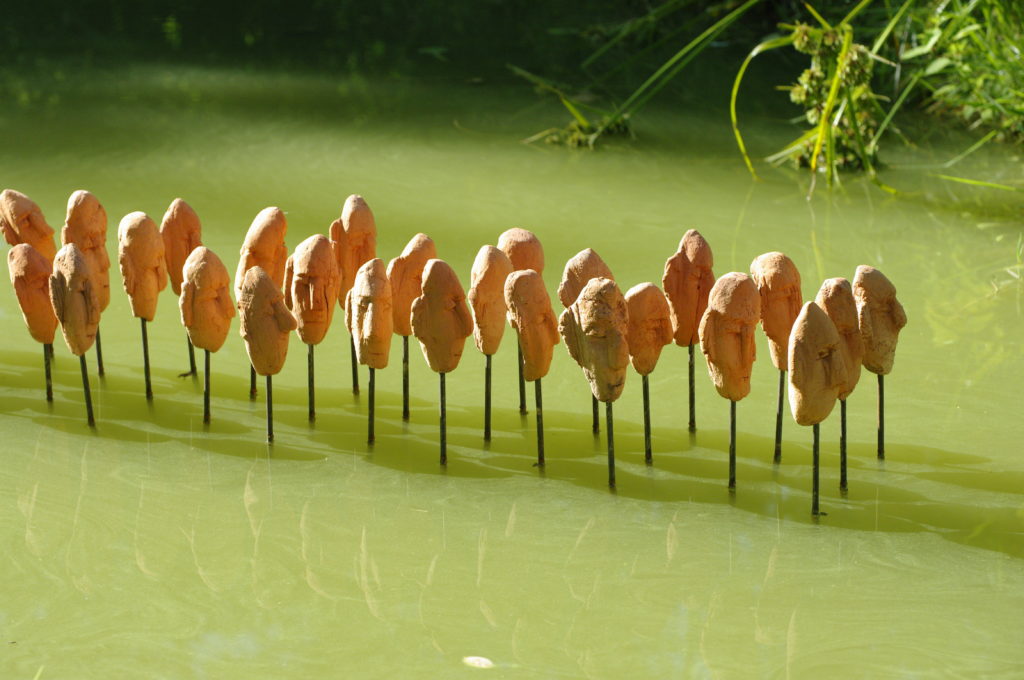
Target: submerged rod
[[444, 425], [842, 445], [814, 482], [611, 444], [487, 397], [270, 408], [693, 403], [370, 437], [206, 386], [881, 417], [405, 377], [311, 379], [539, 399], [647, 422], [732, 445]]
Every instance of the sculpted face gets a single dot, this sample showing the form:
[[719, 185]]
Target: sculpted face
[[264, 247], [86, 226], [74, 300], [836, 299], [727, 333], [487, 297], [687, 281], [816, 369], [582, 267], [354, 236], [595, 327], [21, 221], [881, 318], [368, 313], [778, 281], [311, 286], [650, 327], [140, 253], [405, 274], [30, 276], [265, 322], [523, 249], [205, 301], [182, 233], [530, 314], [440, 317]]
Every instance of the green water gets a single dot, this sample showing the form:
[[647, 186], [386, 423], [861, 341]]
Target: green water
[[155, 547]]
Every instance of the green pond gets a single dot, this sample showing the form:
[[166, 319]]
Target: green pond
[[156, 547]]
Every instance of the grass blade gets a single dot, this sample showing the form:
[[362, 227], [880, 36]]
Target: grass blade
[[763, 47]]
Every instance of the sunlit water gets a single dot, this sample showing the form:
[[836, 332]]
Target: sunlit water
[[155, 547]]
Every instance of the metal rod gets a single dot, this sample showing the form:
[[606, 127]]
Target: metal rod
[[270, 409], [99, 354], [145, 360], [355, 364], [191, 359], [647, 422], [778, 419], [252, 382], [206, 386], [522, 383], [444, 426], [487, 398], [611, 444], [47, 349], [881, 417], [732, 444], [405, 377], [539, 399], [814, 483], [85, 388], [312, 383], [370, 436], [595, 416], [842, 445], [693, 402]]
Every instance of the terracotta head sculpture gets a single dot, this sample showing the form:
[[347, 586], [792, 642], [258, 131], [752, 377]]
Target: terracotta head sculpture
[[140, 253], [368, 314], [264, 247], [86, 227], [582, 267], [530, 314], [74, 300], [182, 233], [650, 326], [727, 333], [205, 301], [595, 327], [687, 281], [311, 281], [487, 297], [881, 318], [523, 249], [778, 281], [836, 299], [816, 369], [30, 276], [265, 322], [405, 275], [440, 317], [21, 221], [354, 236]]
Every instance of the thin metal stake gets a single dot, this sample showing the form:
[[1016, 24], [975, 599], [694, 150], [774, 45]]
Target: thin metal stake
[[405, 377], [595, 416], [270, 409], [444, 426], [370, 437], [540, 422], [881, 417], [522, 383], [312, 384], [206, 386], [732, 445], [47, 349], [647, 422], [778, 419], [88, 396], [191, 359], [487, 398], [355, 364], [252, 382], [842, 445], [814, 484], [99, 354], [611, 444], [145, 360], [693, 403]]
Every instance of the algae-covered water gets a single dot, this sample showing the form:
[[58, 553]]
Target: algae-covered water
[[157, 547]]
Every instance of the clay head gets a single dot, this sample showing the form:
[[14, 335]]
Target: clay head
[[182, 233], [354, 236], [595, 327], [86, 227], [368, 314], [778, 281], [140, 253], [311, 281], [836, 299], [487, 297], [265, 322], [205, 301], [582, 267], [881, 318], [816, 369], [74, 300], [440, 317], [650, 326], [727, 333], [22, 221], [523, 249], [687, 281], [264, 247], [530, 314], [30, 276], [405, 274]]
